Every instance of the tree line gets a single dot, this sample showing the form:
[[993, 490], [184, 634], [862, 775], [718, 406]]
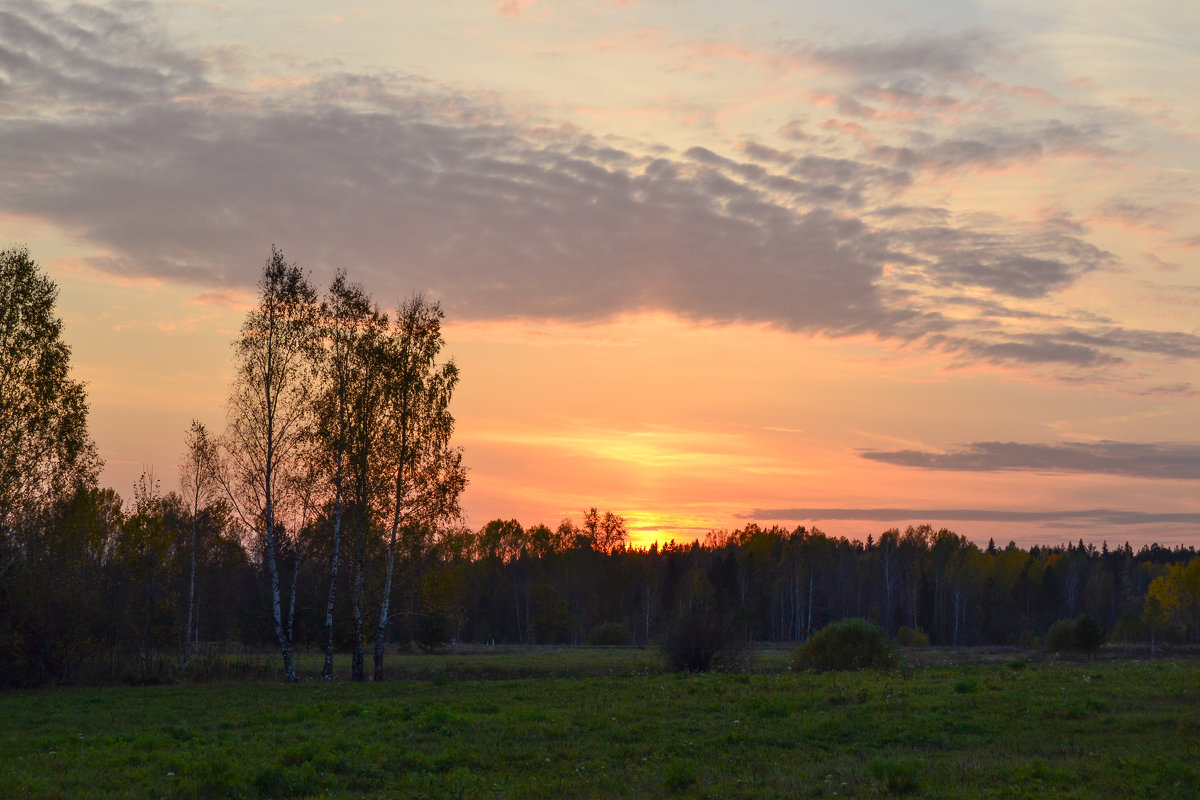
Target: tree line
[[325, 516], [336, 447]]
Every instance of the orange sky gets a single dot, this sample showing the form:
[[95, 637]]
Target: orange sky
[[787, 267]]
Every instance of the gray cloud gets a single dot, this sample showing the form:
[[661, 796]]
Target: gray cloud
[[1079, 518], [997, 147], [948, 56], [1010, 260], [1024, 349], [1163, 461], [134, 145], [417, 187], [1098, 347]]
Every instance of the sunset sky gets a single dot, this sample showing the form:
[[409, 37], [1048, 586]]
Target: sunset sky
[[848, 264]]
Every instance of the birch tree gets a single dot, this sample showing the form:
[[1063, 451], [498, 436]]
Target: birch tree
[[351, 327], [269, 410], [427, 474], [198, 481]]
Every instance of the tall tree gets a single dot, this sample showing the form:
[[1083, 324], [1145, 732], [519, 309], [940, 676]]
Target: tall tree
[[45, 449], [350, 326], [427, 472], [198, 480], [268, 426], [367, 478]]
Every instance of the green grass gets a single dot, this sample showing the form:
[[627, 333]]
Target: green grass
[[1051, 729]]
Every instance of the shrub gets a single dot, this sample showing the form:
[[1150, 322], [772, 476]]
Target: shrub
[[911, 637], [847, 644], [1060, 637], [610, 633], [1083, 634], [1088, 634], [699, 642]]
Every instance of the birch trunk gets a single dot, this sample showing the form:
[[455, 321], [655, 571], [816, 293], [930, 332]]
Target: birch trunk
[[191, 604], [327, 669], [385, 609], [356, 658]]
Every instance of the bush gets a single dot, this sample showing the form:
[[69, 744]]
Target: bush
[[1083, 634], [846, 645], [1060, 637], [612, 634], [699, 642], [911, 637], [1088, 634]]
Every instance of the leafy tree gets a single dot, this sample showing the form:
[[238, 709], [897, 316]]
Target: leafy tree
[[427, 475], [1088, 634], [351, 328], [44, 442], [198, 480], [269, 409], [141, 561], [1173, 599]]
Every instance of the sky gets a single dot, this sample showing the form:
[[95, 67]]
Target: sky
[[854, 266]]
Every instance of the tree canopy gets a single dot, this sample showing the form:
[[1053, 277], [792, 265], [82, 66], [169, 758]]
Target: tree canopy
[[45, 448]]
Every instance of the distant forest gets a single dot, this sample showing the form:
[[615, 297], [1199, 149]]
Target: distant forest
[[326, 517]]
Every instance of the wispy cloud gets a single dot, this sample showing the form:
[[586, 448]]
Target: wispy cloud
[[1071, 519], [1129, 459]]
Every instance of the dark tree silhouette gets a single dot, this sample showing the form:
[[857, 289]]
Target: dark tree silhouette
[[45, 449]]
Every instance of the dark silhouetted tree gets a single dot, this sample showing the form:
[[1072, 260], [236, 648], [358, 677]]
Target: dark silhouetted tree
[[198, 480], [45, 449], [269, 411]]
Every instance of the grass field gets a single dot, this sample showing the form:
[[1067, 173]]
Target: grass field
[[609, 723]]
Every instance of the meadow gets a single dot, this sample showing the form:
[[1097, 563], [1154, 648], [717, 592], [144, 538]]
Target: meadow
[[590, 722]]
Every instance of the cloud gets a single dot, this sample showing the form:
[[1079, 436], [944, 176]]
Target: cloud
[[956, 55], [1079, 518], [176, 170], [1129, 459], [995, 148]]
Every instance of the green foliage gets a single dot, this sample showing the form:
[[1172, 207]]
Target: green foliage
[[848, 644], [1082, 634], [1060, 637], [700, 641], [911, 637], [611, 634], [1088, 634], [47, 452]]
